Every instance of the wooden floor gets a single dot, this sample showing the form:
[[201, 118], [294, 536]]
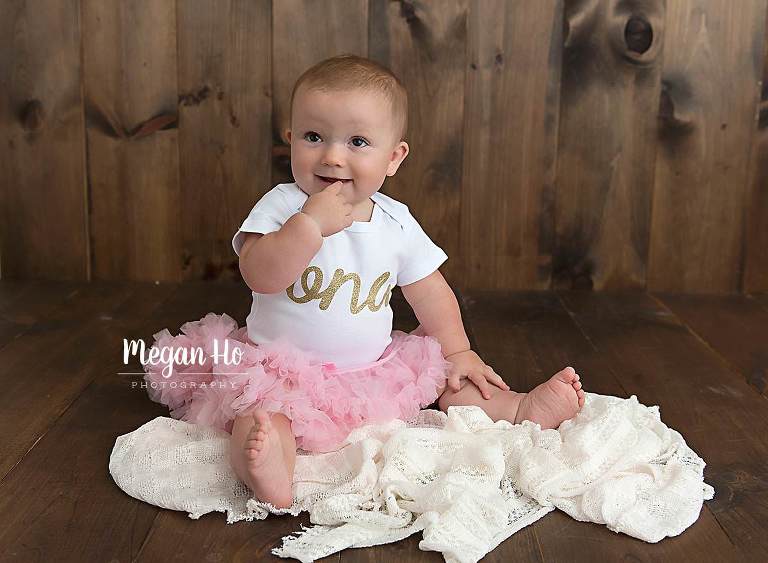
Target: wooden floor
[[703, 360]]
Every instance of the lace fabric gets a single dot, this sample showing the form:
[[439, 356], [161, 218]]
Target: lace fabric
[[462, 480]]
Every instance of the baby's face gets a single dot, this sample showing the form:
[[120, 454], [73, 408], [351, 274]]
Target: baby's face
[[345, 135]]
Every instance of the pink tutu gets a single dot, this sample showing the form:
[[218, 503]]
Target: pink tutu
[[323, 403]]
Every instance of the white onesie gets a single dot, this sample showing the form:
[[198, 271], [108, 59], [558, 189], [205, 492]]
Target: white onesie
[[338, 308]]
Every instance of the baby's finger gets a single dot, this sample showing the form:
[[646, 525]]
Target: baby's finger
[[453, 381], [341, 197], [496, 379], [482, 384]]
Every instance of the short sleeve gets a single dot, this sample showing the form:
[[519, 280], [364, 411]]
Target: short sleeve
[[269, 214], [420, 256]]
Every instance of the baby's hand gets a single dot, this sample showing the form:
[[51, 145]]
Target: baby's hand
[[329, 209], [468, 365]]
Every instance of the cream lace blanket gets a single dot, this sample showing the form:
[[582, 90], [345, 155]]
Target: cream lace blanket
[[462, 480]]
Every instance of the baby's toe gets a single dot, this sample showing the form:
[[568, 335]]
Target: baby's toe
[[566, 375], [261, 418], [256, 434], [253, 441], [577, 385]]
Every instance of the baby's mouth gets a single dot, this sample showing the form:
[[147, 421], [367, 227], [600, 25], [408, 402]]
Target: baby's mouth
[[332, 180]]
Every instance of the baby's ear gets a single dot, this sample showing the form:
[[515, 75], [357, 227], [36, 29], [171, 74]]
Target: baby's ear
[[398, 156], [287, 135]]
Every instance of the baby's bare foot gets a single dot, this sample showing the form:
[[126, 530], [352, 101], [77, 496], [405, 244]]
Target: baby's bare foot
[[267, 474], [553, 401]]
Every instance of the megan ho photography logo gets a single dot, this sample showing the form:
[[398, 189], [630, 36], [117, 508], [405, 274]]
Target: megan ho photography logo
[[170, 357]]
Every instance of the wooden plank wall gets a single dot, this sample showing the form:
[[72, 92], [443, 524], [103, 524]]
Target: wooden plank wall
[[604, 144], [756, 258]]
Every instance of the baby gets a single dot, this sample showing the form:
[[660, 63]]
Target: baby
[[346, 138], [320, 356]]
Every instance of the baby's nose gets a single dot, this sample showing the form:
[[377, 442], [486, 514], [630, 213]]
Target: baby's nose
[[333, 156]]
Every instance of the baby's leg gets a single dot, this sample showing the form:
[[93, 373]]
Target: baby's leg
[[263, 455], [549, 404]]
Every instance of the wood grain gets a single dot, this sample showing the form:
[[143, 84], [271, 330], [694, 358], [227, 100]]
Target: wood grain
[[225, 107], [129, 57], [756, 241], [64, 478], [43, 202], [510, 140], [761, 299], [56, 487], [734, 325], [63, 484], [721, 417], [24, 304], [529, 336], [52, 361], [304, 33], [607, 142], [602, 144], [424, 44], [621, 344], [710, 89]]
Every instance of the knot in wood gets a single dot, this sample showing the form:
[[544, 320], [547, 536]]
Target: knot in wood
[[638, 34], [33, 115]]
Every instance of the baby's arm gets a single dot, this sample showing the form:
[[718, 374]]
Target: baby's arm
[[437, 309], [270, 263]]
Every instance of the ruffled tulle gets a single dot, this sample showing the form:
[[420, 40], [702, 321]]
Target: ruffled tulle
[[323, 403]]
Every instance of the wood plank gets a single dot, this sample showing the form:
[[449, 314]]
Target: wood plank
[[510, 131], [44, 495], [304, 33], [722, 418], [61, 503], [43, 200], [49, 365], [225, 146], [705, 133], [734, 326], [129, 53], [27, 301], [24, 303], [527, 337], [605, 158], [756, 243], [74, 477], [11, 291], [761, 299], [424, 44]]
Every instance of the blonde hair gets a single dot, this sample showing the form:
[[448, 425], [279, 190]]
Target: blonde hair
[[352, 72]]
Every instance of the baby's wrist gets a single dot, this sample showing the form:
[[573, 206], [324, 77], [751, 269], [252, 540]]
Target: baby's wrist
[[312, 221], [458, 352]]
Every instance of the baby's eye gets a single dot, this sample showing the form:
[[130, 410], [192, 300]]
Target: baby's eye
[[359, 139], [311, 136]]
